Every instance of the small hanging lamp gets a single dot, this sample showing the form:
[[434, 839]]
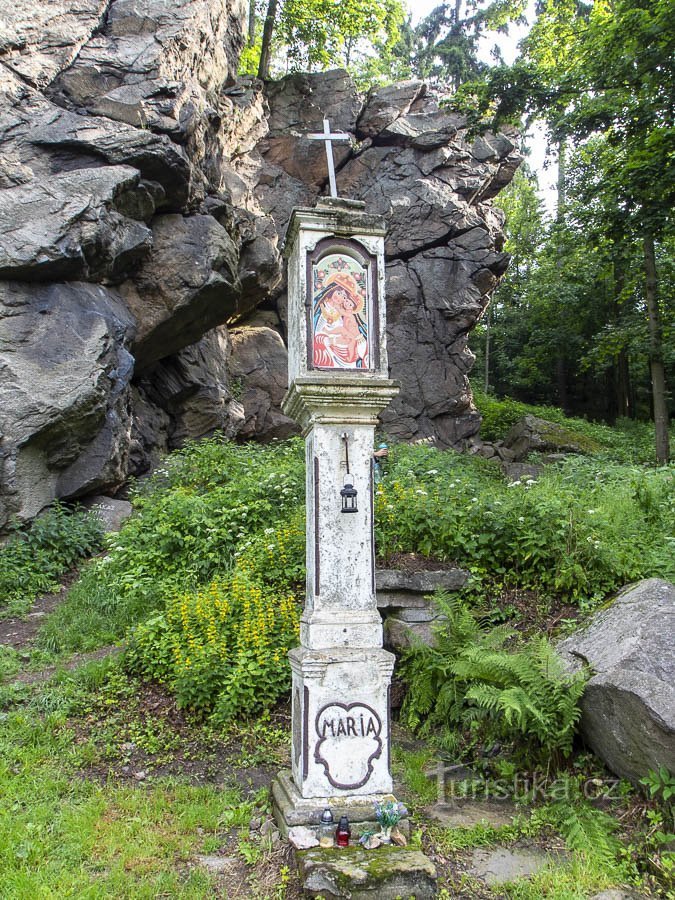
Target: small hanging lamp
[[348, 492]]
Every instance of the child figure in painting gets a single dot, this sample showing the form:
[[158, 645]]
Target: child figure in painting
[[340, 333]]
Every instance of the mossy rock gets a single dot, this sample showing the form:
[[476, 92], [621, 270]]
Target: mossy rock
[[532, 434], [386, 873]]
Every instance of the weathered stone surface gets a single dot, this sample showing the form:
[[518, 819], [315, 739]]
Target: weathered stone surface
[[387, 104], [113, 114], [217, 865], [502, 865], [156, 157], [628, 707], [386, 873], [302, 838], [402, 635], [259, 365], [188, 286], [410, 614], [468, 813], [532, 434], [69, 227], [193, 388], [419, 582], [38, 40], [150, 64], [618, 894], [64, 379], [111, 513]]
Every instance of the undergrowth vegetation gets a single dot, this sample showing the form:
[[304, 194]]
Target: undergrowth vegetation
[[580, 531], [205, 574], [205, 583], [472, 681], [32, 559], [207, 578], [628, 440]]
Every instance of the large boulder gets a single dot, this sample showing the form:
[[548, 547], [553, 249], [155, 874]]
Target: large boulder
[[259, 368], [534, 435], [628, 707], [193, 388], [64, 382], [69, 228], [188, 285]]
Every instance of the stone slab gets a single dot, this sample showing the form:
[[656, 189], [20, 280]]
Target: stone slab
[[110, 512], [500, 865], [420, 582], [467, 814], [401, 635], [217, 865], [386, 873]]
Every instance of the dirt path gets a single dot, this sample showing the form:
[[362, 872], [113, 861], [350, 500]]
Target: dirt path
[[20, 631], [78, 659]]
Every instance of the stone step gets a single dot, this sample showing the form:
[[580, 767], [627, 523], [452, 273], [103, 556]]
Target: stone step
[[386, 873], [407, 590]]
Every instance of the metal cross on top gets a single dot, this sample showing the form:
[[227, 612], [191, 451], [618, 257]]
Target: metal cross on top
[[326, 136]]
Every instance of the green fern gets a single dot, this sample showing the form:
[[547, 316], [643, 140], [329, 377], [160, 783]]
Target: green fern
[[586, 830], [475, 676]]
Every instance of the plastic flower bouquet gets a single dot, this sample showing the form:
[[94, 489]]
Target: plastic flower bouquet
[[389, 814]]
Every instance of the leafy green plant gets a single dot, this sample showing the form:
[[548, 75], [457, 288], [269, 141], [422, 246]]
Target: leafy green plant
[[582, 529], [660, 784], [473, 680], [32, 559], [223, 648]]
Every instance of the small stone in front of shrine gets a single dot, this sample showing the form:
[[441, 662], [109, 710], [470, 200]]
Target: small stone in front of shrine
[[387, 873]]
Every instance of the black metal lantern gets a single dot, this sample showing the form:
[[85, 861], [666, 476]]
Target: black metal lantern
[[348, 494]]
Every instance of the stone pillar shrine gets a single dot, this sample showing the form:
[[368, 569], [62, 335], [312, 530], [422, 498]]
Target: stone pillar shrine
[[338, 383]]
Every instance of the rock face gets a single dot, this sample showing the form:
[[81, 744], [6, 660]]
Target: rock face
[[628, 707], [64, 392], [414, 166], [144, 196]]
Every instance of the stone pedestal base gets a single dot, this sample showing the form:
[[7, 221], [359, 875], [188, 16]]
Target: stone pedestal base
[[341, 732], [291, 809]]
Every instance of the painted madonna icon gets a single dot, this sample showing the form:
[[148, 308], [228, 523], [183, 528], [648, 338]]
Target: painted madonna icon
[[340, 314]]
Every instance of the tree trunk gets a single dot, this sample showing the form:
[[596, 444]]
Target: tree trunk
[[621, 365], [251, 23], [624, 405], [656, 352], [560, 363], [487, 352], [266, 48]]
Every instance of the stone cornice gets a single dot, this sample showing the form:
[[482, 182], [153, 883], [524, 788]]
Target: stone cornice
[[344, 218], [348, 400]]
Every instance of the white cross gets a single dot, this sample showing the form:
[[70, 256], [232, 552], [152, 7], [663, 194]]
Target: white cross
[[328, 137]]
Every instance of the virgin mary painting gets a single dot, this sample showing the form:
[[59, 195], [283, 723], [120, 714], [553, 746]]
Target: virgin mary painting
[[340, 328]]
